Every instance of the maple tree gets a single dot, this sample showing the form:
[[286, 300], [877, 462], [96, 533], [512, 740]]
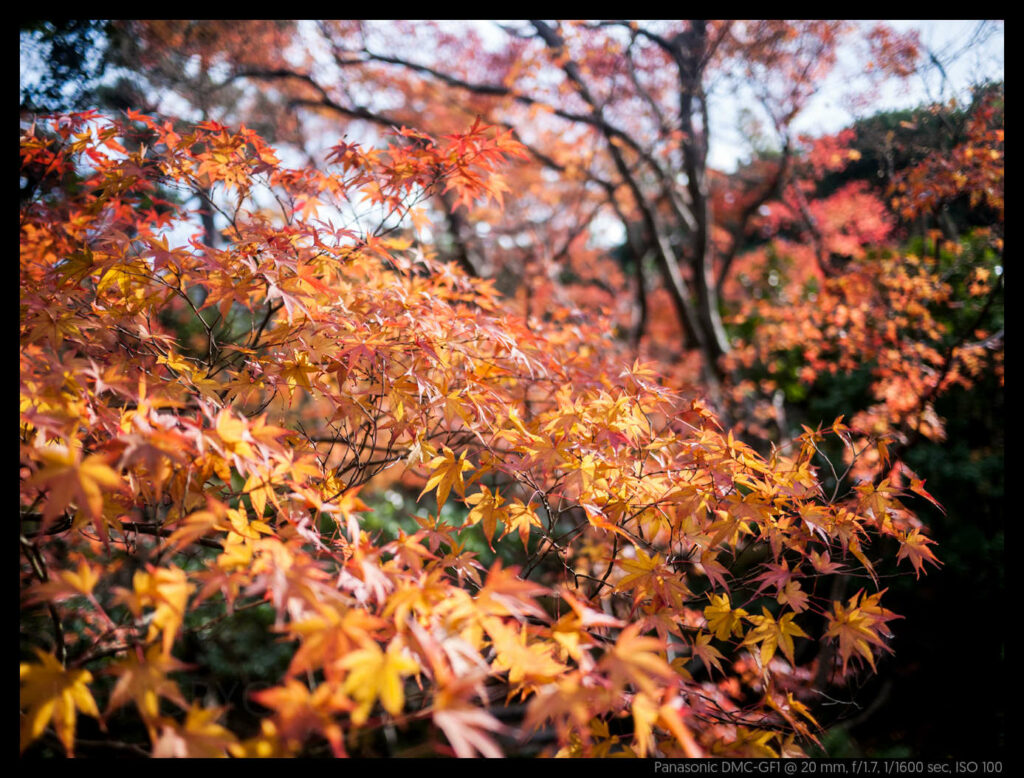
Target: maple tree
[[202, 410]]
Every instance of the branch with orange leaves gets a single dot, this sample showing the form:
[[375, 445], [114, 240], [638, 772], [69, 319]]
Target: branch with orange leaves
[[911, 439]]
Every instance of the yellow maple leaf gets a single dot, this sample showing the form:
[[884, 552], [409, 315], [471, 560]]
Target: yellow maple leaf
[[296, 372], [649, 577], [772, 634], [645, 714], [722, 619], [234, 435], [66, 583], [166, 590], [530, 661], [50, 692], [375, 674], [447, 472], [520, 518], [486, 511]]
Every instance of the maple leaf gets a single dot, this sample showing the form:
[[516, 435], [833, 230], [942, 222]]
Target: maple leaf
[[787, 707], [823, 563], [66, 583], [486, 511], [259, 490], [645, 714], [858, 552], [410, 549], [728, 527], [749, 743], [297, 371], [638, 571], [466, 728], [144, 682], [637, 659], [917, 486], [722, 620], [589, 617], [299, 713], [504, 593], [794, 596], [914, 546], [447, 472], [197, 525], [707, 653], [673, 722], [603, 739], [875, 501], [772, 634], [198, 737], [713, 569], [52, 693], [572, 630], [329, 635], [650, 576], [234, 435], [777, 575], [165, 589], [375, 674], [349, 505], [525, 660], [70, 478], [520, 518], [859, 625]]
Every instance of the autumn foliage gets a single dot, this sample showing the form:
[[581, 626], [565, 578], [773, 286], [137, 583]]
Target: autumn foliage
[[199, 421]]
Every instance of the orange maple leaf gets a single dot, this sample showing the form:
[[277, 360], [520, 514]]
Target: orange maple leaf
[[447, 474], [72, 479]]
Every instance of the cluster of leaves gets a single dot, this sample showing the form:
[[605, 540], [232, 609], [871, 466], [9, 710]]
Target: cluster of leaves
[[921, 318], [862, 318], [674, 592], [973, 169]]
